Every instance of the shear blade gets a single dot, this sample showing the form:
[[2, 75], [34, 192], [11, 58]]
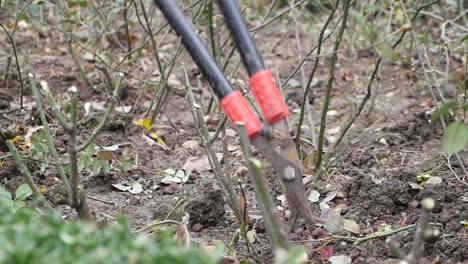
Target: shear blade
[[281, 153]]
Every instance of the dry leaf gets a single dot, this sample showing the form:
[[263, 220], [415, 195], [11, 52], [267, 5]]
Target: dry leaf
[[434, 180], [340, 260], [351, 226], [200, 164], [330, 196], [314, 196], [144, 122]]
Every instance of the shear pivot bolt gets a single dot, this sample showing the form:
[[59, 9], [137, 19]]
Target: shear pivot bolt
[[289, 173]]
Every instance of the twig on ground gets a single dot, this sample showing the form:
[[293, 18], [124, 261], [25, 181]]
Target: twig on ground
[[423, 232]]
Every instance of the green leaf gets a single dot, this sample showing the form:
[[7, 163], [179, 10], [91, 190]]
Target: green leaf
[[444, 109], [23, 192], [465, 38], [6, 202], [18, 204], [4, 193], [96, 166], [386, 51], [90, 149], [455, 138], [295, 255]]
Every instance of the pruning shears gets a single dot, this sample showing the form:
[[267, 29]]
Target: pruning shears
[[272, 139]]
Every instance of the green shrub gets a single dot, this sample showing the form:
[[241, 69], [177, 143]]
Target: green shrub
[[25, 238]]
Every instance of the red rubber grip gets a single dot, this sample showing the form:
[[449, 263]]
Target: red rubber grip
[[237, 109], [268, 96]]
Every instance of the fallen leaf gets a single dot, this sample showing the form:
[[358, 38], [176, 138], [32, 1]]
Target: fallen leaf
[[333, 131], [144, 122], [190, 144], [231, 132], [170, 171], [123, 109], [112, 148], [330, 196], [333, 222], [171, 179], [351, 226], [434, 180], [156, 136], [326, 252], [415, 186], [340, 260], [136, 188], [314, 196], [282, 199], [31, 132], [121, 187], [200, 164], [231, 148], [251, 235], [104, 155], [347, 76], [423, 177]]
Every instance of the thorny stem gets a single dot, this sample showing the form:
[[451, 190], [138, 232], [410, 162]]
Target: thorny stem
[[7, 72], [311, 76], [106, 116], [48, 135], [272, 222], [368, 94], [149, 32], [306, 106], [222, 178], [26, 173], [78, 197], [162, 85], [78, 64], [422, 229], [55, 107], [13, 45], [18, 68], [331, 79], [127, 25]]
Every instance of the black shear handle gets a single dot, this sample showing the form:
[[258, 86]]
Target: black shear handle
[[245, 44], [233, 103], [197, 49]]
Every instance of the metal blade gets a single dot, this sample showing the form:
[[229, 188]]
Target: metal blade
[[280, 151]]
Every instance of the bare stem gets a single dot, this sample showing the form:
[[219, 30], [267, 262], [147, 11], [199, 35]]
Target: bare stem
[[311, 76], [26, 173], [48, 135], [78, 64], [18, 68], [272, 222], [222, 178], [331, 79], [106, 116], [422, 229]]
